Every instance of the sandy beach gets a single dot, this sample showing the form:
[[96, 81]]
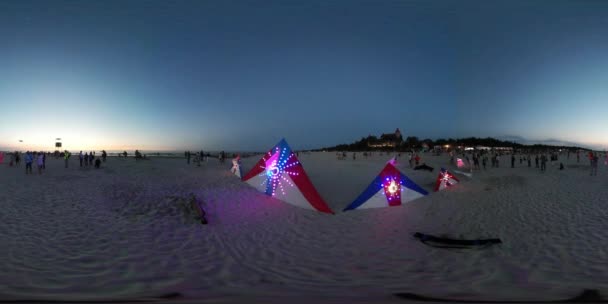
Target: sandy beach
[[125, 232]]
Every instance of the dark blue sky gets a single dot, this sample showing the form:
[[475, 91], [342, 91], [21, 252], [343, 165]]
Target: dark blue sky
[[240, 75]]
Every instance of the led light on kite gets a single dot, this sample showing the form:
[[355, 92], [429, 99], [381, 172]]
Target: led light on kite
[[392, 188]]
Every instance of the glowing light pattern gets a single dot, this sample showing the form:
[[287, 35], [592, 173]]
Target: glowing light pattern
[[460, 163], [392, 189], [274, 168], [445, 179]]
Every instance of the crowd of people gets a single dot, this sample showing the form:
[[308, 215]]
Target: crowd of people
[[478, 159], [199, 157], [39, 158], [525, 159]]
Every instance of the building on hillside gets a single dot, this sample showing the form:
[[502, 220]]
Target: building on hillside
[[388, 140]]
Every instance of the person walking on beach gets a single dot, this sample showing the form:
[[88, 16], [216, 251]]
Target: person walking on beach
[[543, 162], [43, 160], [529, 161], [104, 155], [594, 161], [29, 158], [536, 160], [512, 160], [91, 158], [476, 161], [40, 162], [66, 157], [81, 158]]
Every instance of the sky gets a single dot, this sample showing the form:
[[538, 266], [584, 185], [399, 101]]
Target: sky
[[241, 75]]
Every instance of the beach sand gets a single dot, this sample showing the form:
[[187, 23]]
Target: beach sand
[[125, 232]]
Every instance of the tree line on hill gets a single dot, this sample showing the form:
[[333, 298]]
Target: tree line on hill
[[371, 143]]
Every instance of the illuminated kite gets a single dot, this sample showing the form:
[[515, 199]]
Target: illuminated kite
[[389, 188], [279, 174], [445, 179], [236, 166]]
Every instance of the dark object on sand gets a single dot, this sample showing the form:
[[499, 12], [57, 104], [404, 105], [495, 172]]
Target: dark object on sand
[[424, 167], [97, 163], [588, 295], [439, 242], [561, 166], [199, 210]]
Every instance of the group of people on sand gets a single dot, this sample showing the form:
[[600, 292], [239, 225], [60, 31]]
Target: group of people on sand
[[139, 156], [32, 158], [88, 159], [15, 158], [343, 156], [525, 158], [199, 157]]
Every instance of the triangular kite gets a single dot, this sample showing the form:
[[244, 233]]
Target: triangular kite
[[445, 179], [389, 188], [279, 174]]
